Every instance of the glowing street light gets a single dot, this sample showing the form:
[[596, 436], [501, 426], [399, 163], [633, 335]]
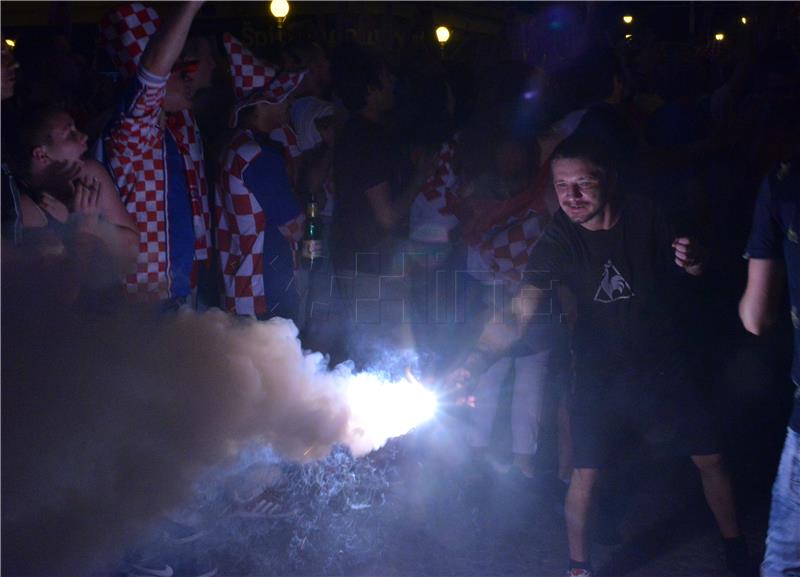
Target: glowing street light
[[442, 35], [10, 43], [743, 19], [719, 36], [279, 9], [628, 36], [627, 19]]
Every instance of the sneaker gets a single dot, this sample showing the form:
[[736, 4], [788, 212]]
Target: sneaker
[[579, 573], [267, 504]]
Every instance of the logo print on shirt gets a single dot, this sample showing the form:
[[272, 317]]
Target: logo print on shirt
[[613, 287]]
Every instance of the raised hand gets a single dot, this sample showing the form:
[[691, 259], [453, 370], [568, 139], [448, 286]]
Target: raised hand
[[86, 203], [688, 255]]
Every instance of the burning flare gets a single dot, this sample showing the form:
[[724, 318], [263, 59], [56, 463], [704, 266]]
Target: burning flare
[[382, 409]]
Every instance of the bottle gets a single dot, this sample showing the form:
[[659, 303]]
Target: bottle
[[312, 239]]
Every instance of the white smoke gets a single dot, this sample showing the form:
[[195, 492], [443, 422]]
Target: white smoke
[[108, 420]]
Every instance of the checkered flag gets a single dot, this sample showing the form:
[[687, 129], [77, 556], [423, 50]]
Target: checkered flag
[[506, 247], [125, 32]]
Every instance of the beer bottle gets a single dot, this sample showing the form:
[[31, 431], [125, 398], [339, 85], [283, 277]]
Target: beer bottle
[[312, 239]]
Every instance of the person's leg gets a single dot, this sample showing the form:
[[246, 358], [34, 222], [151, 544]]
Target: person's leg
[[486, 399], [577, 508], [526, 408], [782, 556], [718, 491], [564, 442]]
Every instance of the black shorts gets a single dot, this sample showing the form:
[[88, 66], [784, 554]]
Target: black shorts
[[614, 414]]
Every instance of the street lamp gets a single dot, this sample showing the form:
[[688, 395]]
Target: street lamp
[[627, 19], [10, 43], [279, 9], [743, 19], [442, 35], [719, 36]]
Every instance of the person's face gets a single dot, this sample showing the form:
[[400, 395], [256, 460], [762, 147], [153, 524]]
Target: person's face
[[9, 72], [271, 116], [326, 128], [201, 78], [583, 189], [320, 71], [179, 93], [67, 143]]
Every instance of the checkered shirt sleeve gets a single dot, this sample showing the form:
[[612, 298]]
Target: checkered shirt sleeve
[[138, 127]]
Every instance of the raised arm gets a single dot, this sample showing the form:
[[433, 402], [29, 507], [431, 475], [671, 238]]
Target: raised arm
[[758, 308], [165, 47]]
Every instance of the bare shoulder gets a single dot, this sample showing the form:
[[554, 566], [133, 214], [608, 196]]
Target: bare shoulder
[[93, 168]]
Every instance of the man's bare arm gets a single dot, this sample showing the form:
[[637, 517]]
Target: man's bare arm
[[758, 308], [499, 336], [165, 47]]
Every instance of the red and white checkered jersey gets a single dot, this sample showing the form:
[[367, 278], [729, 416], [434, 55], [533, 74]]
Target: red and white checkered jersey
[[135, 152], [240, 229]]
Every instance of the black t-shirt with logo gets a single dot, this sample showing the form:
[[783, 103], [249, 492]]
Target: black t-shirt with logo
[[625, 284]]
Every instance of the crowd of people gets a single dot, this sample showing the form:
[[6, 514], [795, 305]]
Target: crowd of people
[[572, 229]]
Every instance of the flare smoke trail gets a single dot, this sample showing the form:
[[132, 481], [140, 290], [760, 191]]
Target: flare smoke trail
[[108, 421]]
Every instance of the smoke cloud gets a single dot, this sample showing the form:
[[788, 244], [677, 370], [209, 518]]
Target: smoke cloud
[[108, 421]]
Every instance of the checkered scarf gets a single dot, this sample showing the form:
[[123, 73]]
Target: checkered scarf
[[255, 81], [124, 33]]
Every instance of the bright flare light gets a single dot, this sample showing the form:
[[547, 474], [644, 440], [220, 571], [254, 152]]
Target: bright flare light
[[743, 19], [442, 34], [381, 409], [719, 36], [627, 19]]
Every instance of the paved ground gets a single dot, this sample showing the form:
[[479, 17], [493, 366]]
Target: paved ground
[[422, 507]]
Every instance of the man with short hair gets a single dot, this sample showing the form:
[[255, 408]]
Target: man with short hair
[[620, 259]]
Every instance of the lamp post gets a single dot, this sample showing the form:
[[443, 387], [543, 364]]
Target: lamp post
[[442, 35], [279, 9]]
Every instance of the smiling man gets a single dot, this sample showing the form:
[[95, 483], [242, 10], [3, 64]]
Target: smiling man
[[622, 262]]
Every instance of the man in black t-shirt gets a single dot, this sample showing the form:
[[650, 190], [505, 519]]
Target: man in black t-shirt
[[772, 252], [619, 258], [372, 205]]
